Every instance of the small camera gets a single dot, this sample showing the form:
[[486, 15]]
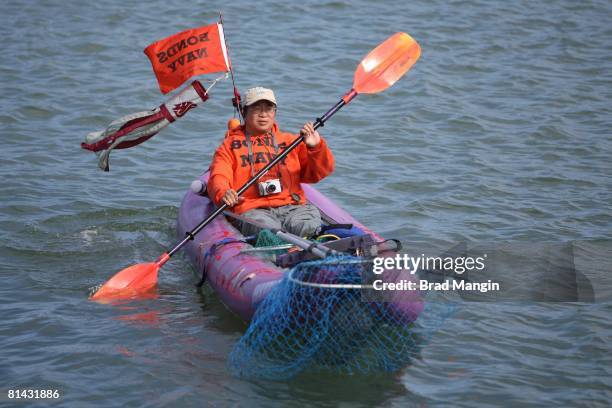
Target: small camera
[[269, 187]]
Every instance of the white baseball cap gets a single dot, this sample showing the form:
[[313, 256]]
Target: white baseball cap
[[258, 94]]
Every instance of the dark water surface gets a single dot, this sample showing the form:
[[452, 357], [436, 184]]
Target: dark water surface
[[500, 133]]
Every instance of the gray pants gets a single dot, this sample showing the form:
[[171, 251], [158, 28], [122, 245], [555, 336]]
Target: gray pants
[[302, 220]]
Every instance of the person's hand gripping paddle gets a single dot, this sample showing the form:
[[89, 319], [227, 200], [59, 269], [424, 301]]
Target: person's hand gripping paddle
[[380, 69]]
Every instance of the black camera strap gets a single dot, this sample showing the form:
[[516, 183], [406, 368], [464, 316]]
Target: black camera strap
[[250, 148]]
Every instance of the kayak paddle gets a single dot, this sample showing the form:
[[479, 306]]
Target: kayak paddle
[[380, 69]]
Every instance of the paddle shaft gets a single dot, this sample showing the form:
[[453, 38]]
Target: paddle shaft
[[318, 123]]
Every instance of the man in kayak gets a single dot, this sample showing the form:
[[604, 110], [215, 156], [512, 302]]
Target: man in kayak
[[277, 199]]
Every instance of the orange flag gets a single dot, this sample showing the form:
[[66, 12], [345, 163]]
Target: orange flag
[[177, 58]]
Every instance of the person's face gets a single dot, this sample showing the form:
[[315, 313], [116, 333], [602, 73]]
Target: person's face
[[260, 117]]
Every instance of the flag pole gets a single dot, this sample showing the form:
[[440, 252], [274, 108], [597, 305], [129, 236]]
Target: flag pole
[[236, 99]]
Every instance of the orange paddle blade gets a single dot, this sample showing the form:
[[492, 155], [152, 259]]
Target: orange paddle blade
[[385, 64], [132, 281], [129, 282]]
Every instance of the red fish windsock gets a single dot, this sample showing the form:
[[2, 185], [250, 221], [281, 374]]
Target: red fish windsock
[[131, 130]]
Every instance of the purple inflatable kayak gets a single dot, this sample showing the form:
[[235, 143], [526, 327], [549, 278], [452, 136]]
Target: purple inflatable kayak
[[243, 280]]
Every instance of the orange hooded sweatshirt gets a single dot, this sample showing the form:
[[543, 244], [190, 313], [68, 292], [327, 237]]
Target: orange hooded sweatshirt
[[230, 168]]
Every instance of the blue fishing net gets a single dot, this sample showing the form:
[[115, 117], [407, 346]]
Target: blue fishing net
[[324, 316]]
